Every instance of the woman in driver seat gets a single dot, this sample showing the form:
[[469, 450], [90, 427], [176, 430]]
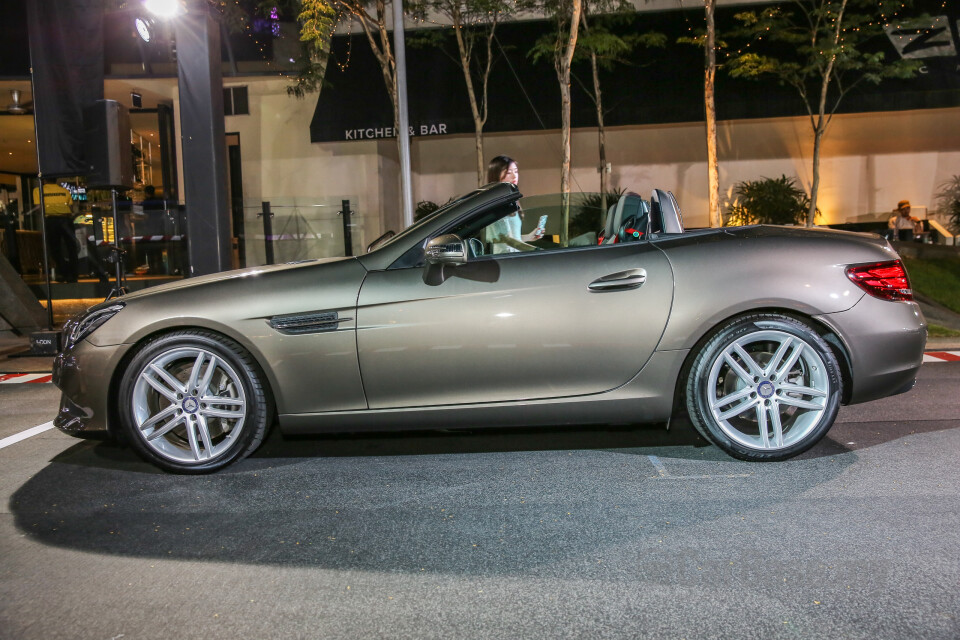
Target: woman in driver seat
[[505, 234]]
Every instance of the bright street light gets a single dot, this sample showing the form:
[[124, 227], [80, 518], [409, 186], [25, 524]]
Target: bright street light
[[165, 8]]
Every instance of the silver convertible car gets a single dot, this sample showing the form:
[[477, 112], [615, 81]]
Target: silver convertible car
[[487, 313]]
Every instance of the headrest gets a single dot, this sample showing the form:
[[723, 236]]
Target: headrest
[[665, 213]]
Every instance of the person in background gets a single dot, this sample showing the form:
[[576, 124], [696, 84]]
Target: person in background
[[58, 223], [505, 233], [902, 224]]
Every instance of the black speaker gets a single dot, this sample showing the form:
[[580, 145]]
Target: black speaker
[[107, 145]]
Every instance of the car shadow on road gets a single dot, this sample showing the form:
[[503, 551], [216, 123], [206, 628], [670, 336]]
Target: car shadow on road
[[495, 501], [484, 502], [278, 449]]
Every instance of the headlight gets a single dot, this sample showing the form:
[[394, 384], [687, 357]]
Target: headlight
[[82, 326]]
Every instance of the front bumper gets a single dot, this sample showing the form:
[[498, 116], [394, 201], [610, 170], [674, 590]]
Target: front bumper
[[83, 372], [885, 341]]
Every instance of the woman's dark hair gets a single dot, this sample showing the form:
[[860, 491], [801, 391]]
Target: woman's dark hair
[[497, 167]]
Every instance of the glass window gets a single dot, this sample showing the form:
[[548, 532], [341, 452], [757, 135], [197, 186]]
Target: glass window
[[543, 223], [553, 223], [235, 101]]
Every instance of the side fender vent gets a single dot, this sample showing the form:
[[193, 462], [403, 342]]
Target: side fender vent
[[310, 322]]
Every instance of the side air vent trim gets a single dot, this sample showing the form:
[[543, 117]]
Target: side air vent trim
[[310, 322]]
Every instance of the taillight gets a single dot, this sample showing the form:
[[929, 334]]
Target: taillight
[[886, 280]]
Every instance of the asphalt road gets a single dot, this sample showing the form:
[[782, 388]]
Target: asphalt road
[[631, 533]]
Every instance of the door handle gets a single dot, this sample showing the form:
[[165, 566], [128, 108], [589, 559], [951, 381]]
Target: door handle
[[630, 279]]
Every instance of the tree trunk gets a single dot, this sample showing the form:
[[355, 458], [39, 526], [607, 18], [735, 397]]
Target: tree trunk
[[713, 171], [820, 126], [563, 73], [601, 136], [814, 188], [565, 163], [478, 121]]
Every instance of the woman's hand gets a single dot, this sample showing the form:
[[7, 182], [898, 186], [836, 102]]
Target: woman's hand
[[536, 234]]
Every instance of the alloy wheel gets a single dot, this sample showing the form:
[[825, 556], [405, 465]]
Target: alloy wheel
[[188, 404], [768, 390]]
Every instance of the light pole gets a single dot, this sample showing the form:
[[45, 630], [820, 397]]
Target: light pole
[[400, 58], [202, 137]]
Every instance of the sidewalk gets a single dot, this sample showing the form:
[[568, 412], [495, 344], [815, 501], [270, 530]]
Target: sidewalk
[[942, 344], [10, 343]]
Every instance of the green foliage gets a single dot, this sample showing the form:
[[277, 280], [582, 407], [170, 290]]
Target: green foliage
[[550, 46], [610, 34], [424, 208], [589, 215], [593, 200], [938, 279], [809, 42], [821, 48], [936, 331], [768, 201], [948, 201], [317, 19]]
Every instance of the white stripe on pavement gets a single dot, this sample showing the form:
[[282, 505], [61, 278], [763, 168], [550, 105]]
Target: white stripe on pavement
[[23, 435]]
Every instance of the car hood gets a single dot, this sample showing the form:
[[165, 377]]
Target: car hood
[[198, 281]]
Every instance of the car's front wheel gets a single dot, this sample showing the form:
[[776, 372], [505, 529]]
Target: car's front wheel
[[193, 402], [764, 387]]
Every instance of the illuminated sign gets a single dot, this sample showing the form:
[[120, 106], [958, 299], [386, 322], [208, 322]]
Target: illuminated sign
[[372, 133]]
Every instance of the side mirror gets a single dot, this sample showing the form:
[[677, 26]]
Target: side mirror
[[446, 249]]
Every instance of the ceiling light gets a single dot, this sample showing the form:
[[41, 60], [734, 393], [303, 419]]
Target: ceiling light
[[143, 28]]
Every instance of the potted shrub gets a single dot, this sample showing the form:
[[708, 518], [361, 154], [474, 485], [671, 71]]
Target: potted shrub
[[768, 201]]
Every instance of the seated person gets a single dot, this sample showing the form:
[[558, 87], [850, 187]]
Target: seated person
[[505, 235], [903, 225]]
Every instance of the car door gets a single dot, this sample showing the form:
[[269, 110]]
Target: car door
[[541, 324]]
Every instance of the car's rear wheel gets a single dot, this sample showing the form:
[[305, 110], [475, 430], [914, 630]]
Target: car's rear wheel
[[193, 402], [764, 387]]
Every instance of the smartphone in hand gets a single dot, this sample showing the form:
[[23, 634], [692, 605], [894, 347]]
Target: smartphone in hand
[[542, 224]]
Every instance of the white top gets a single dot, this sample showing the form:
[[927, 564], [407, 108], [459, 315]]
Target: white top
[[508, 226], [900, 222]]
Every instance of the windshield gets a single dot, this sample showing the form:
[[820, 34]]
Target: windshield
[[424, 220]]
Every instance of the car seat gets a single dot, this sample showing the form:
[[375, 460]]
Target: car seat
[[627, 221]]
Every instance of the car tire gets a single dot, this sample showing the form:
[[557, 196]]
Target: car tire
[[764, 387], [193, 402]]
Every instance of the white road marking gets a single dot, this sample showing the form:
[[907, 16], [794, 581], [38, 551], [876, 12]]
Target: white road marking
[[662, 470], [663, 473], [23, 435]]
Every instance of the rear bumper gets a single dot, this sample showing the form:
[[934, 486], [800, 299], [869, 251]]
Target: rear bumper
[[82, 373], [885, 342]]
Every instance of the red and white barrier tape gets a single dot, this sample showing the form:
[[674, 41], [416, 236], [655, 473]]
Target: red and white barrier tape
[[941, 356], [15, 378]]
